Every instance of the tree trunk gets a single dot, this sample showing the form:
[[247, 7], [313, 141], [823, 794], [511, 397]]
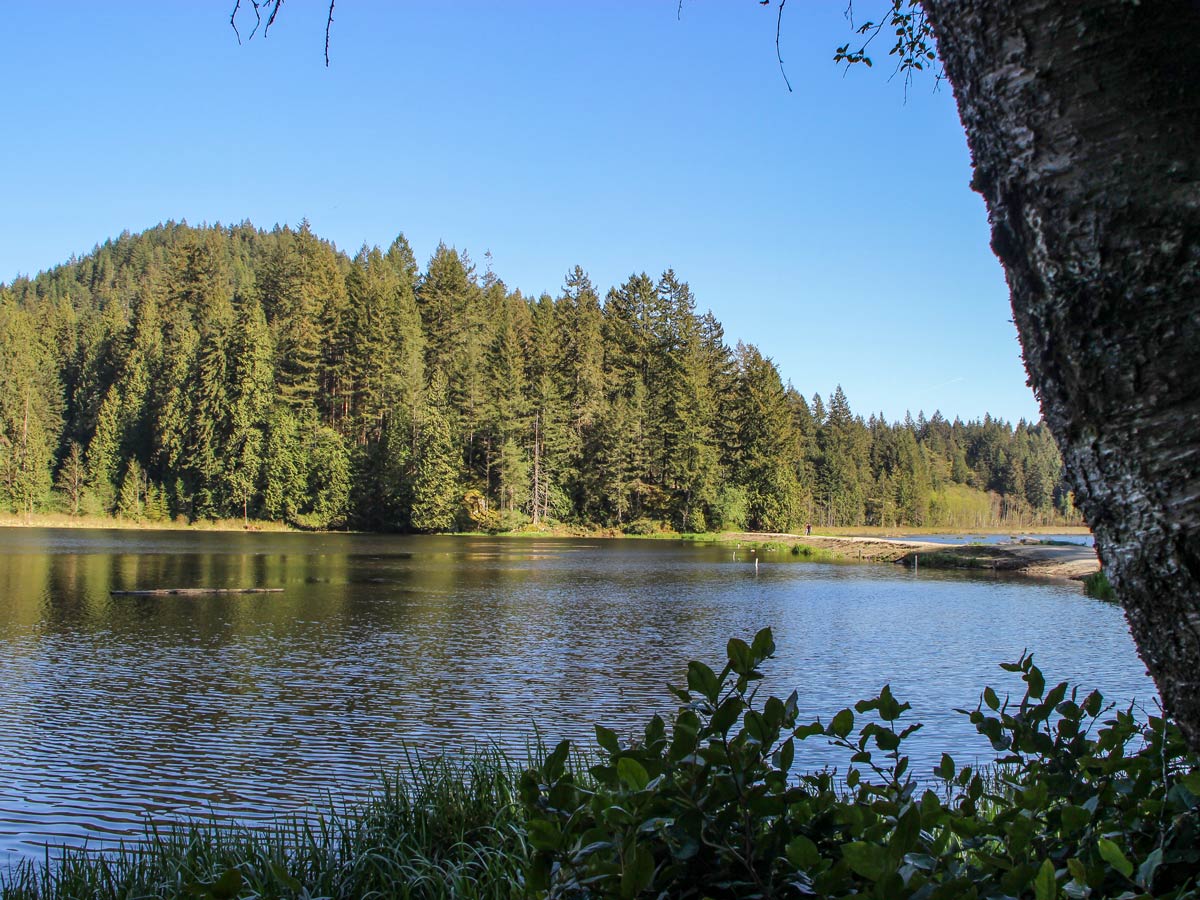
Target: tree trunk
[[1084, 125]]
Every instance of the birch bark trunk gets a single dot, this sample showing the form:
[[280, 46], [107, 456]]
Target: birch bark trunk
[[1083, 121]]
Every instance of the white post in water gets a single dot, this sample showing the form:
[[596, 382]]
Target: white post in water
[[916, 562]]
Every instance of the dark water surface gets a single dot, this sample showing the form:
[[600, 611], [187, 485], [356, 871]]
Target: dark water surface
[[119, 711]]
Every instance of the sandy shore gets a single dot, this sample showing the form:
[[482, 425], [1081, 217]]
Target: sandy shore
[[1069, 561]]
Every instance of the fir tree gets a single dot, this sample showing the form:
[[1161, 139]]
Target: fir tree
[[436, 491]]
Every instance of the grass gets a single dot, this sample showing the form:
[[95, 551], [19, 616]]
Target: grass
[[65, 520], [1097, 585], [442, 827]]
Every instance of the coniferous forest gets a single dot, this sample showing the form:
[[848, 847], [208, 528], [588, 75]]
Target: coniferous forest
[[222, 372]]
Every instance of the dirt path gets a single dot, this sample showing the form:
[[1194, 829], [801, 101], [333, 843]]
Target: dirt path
[[1072, 561]]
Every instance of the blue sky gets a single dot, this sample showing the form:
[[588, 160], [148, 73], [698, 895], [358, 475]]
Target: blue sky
[[832, 226]]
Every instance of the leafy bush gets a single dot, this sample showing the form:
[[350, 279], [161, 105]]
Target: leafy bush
[[1084, 802], [643, 527]]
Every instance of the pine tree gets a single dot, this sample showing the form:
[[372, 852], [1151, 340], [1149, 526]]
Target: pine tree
[[843, 463], [765, 440], [508, 418], [285, 466], [328, 483], [304, 296], [30, 412], [211, 423], [131, 493], [251, 391], [689, 462], [580, 373], [436, 491], [72, 477], [104, 453]]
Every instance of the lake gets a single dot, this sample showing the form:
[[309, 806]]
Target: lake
[[119, 711]]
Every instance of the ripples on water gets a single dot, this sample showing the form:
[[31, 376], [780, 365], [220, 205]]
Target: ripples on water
[[119, 711]]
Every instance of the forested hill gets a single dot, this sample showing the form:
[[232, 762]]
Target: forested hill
[[217, 372]]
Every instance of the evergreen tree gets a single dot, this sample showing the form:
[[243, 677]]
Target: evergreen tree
[[30, 414], [765, 443], [212, 411], [251, 391], [72, 477], [103, 454], [304, 400], [328, 483], [285, 466], [436, 491], [131, 493]]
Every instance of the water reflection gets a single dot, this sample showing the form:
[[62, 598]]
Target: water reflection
[[118, 709]]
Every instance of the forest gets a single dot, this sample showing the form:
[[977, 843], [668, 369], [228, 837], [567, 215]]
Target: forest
[[210, 372]]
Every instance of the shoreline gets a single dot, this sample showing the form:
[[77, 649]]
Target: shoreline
[[1070, 562], [896, 546], [104, 523]]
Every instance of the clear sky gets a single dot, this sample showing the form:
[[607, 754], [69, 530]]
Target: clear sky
[[832, 226]]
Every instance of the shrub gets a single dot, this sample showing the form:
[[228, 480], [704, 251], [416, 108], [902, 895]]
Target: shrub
[[1084, 802]]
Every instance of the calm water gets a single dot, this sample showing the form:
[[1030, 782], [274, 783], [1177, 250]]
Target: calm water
[[117, 711]]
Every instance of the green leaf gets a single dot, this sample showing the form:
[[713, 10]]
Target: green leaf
[[553, 766], [537, 876], [842, 723], [637, 873], [908, 830], [632, 773], [740, 659], [280, 873], [803, 732], [990, 698], [703, 680], [1036, 681], [608, 740], [786, 754], [802, 853], [543, 834], [756, 726], [889, 708], [1075, 818], [1191, 781], [1112, 855], [868, 860], [946, 768], [1077, 869], [764, 644], [727, 713], [1045, 886], [1145, 875], [228, 885]]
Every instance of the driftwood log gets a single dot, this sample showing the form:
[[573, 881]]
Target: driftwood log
[[188, 592]]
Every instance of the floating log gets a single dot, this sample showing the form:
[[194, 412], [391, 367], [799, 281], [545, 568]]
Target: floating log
[[187, 592]]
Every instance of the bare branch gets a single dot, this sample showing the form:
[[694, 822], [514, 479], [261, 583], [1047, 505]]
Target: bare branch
[[274, 5], [778, 56], [233, 21], [329, 24]]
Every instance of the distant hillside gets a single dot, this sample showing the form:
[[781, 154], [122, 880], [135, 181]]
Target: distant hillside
[[218, 372]]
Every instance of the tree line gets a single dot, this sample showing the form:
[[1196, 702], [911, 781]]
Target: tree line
[[222, 372]]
